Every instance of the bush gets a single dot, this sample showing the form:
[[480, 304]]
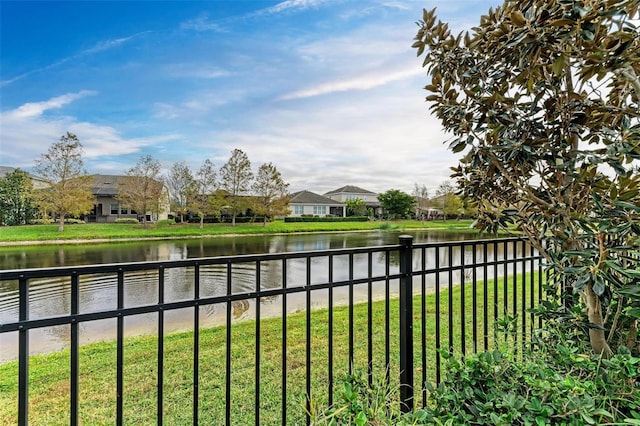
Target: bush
[[304, 218], [127, 220], [72, 221], [552, 383]]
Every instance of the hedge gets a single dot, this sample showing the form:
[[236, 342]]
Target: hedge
[[327, 219]]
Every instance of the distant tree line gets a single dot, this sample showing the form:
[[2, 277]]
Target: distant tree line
[[207, 193]]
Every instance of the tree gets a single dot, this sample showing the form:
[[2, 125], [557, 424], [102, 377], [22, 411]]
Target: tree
[[69, 190], [236, 177], [141, 188], [450, 202], [271, 191], [396, 203], [421, 195], [202, 193], [16, 198], [179, 180], [356, 207], [542, 101]]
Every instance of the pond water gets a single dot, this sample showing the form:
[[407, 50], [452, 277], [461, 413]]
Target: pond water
[[51, 297]]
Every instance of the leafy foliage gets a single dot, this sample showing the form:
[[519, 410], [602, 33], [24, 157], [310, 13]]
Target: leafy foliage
[[542, 100], [356, 207], [179, 180], [202, 195], [236, 177], [271, 193], [396, 203], [69, 190], [552, 383], [141, 188], [16, 199]]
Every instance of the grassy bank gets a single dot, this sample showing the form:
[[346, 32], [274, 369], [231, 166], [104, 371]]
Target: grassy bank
[[49, 374], [114, 231]]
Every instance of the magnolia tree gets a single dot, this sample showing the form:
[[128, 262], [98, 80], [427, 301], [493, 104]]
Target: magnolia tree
[[542, 101]]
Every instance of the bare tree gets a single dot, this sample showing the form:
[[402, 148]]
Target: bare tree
[[179, 180], [271, 192], [421, 195], [141, 188], [236, 177], [69, 191]]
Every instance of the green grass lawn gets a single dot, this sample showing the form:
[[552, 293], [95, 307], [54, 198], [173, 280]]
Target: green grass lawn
[[49, 374], [108, 231]]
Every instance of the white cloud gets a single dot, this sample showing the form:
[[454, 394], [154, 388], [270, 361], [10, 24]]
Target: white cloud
[[28, 130], [201, 23], [196, 70], [98, 47], [35, 109], [361, 83]]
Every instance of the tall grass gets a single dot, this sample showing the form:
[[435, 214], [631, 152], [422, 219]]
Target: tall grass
[[49, 374]]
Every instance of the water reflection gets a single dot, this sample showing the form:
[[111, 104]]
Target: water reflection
[[51, 297]]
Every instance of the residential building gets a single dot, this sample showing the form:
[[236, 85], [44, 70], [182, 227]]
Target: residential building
[[351, 192], [38, 182], [108, 208], [310, 203]]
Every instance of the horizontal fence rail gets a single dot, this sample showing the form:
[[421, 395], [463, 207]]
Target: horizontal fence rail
[[396, 306]]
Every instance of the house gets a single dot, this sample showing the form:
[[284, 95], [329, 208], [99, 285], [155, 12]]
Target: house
[[38, 182], [108, 208], [310, 203], [351, 192]]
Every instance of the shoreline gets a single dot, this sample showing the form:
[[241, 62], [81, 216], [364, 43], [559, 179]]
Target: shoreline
[[78, 241]]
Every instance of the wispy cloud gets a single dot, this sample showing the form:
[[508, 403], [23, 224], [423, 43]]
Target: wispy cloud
[[29, 128], [360, 83], [98, 47], [35, 109], [196, 70], [202, 23], [290, 5]]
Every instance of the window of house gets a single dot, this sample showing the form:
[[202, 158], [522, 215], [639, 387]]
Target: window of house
[[124, 210], [298, 209], [114, 208], [320, 210]]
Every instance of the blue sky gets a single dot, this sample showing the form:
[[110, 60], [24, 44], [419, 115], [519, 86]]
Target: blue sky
[[329, 91]]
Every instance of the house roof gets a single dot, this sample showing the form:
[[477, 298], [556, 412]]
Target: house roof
[[5, 170], [105, 184], [350, 189], [308, 197]]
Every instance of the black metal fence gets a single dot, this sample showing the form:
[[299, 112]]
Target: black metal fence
[[385, 310]]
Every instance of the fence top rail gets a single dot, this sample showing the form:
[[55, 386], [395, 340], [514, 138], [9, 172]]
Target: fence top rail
[[30, 273]]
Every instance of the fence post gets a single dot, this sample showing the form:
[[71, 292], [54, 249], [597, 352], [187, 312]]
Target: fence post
[[406, 323]]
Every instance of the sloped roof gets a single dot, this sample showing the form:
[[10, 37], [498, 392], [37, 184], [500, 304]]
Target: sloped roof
[[350, 189], [5, 170], [105, 184], [308, 197]]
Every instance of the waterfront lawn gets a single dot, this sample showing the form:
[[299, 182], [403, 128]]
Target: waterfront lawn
[[49, 374], [167, 229]]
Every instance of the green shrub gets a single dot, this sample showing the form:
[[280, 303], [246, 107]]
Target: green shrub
[[554, 382], [551, 382], [357, 403], [126, 220], [72, 221], [304, 218]]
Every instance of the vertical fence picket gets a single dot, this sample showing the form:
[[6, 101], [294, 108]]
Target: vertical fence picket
[[514, 265]]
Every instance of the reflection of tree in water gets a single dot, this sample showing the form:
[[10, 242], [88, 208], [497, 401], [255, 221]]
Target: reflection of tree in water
[[239, 307]]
